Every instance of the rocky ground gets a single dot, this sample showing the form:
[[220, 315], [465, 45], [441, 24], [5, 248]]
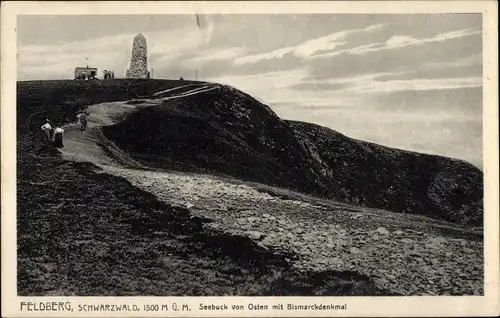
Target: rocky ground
[[409, 261], [81, 232]]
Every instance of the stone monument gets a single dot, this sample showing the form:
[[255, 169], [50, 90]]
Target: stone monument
[[139, 60]]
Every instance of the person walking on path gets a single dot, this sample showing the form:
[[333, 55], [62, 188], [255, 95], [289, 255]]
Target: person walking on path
[[47, 131], [82, 117], [57, 139]]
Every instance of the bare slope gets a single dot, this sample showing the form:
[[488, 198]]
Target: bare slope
[[228, 132]]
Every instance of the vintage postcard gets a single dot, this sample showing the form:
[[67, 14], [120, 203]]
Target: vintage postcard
[[249, 159]]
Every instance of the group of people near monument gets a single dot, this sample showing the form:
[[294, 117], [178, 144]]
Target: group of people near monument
[[55, 135], [108, 74], [84, 76]]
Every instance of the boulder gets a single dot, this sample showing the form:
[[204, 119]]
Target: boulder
[[298, 230], [256, 235], [252, 219], [355, 250], [382, 231]]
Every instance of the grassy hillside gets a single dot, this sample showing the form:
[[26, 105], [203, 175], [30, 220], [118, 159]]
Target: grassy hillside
[[86, 233], [393, 179], [220, 131], [226, 131]]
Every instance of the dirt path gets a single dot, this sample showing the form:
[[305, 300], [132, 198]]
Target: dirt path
[[88, 146], [409, 261]]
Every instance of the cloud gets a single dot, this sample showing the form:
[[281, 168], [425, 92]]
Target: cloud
[[423, 84], [51, 54], [59, 61], [401, 41], [308, 48], [433, 130], [382, 83], [170, 45], [299, 90], [359, 79], [265, 82], [474, 60], [218, 54], [280, 89], [279, 53]]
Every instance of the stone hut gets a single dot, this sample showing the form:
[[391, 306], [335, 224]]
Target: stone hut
[[88, 72]]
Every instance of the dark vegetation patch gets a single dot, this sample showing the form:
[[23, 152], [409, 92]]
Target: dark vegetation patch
[[225, 131], [82, 232], [397, 180]]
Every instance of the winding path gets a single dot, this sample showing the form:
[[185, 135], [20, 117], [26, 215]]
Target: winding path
[[89, 146]]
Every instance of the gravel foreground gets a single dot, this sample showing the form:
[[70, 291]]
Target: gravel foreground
[[405, 261], [82, 232]]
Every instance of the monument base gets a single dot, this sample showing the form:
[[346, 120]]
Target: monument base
[[136, 74]]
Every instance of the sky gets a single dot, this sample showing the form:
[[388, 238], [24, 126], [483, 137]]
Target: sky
[[412, 82]]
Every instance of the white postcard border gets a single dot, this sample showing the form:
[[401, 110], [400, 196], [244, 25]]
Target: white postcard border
[[356, 306]]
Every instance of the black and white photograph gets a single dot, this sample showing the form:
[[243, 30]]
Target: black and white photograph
[[249, 154]]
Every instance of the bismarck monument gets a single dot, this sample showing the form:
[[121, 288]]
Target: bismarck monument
[[139, 60]]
